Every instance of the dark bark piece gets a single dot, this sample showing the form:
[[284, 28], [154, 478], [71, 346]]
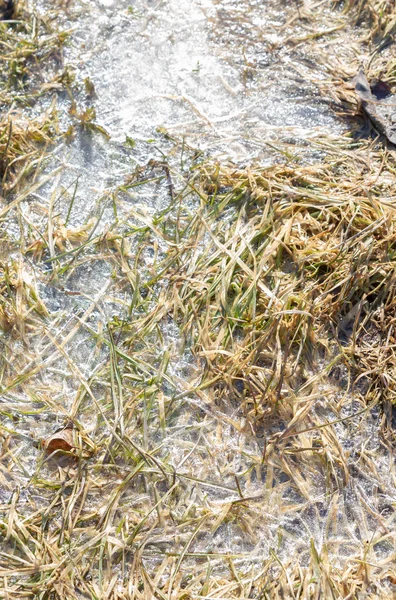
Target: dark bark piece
[[380, 89], [7, 8], [378, 103]]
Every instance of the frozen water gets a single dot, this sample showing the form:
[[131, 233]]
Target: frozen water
[[187, 67], [215, 73]]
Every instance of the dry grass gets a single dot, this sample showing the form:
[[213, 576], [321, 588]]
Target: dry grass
[[227, 363]]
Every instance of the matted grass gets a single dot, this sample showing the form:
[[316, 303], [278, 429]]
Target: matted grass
[[227, 366]]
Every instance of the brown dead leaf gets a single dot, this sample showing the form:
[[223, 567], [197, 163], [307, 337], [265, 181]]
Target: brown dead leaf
[[61, 441]]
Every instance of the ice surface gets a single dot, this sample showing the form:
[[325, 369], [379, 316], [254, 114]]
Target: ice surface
[[205, 71]]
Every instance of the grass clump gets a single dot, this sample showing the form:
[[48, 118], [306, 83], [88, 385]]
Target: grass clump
[[23, 146], [31, 47]]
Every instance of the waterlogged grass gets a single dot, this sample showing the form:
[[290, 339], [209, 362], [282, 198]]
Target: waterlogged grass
[[225, 364]]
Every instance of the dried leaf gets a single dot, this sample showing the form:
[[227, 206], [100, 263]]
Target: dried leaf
[[61, 441]]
